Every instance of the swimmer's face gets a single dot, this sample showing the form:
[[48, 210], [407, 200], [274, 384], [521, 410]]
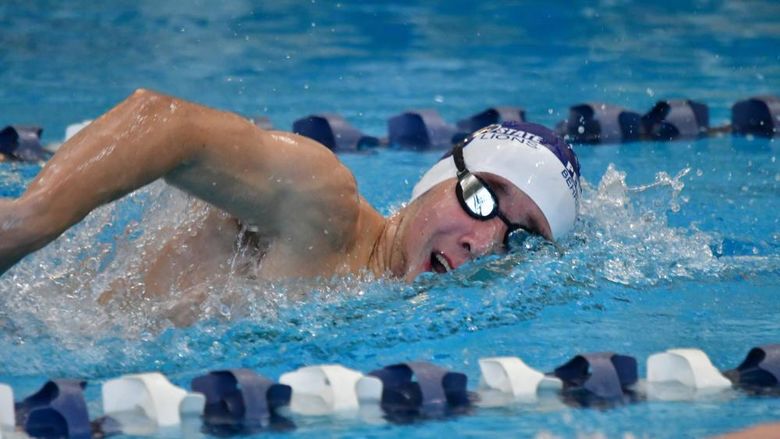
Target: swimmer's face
[[440, 236]]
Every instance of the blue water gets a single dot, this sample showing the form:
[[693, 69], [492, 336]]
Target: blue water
[[679, 243]]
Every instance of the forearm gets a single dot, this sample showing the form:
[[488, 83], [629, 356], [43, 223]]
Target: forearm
[[136, 142], [17, 237], [130, 146]]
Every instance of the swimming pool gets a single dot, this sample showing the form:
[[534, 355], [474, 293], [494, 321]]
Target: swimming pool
[[679, 244]]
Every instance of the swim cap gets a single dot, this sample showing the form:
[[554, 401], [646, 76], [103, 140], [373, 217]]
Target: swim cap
[[532, 158]]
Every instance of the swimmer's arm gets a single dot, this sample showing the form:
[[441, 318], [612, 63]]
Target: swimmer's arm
[[765, 431], [126, 148], [214, 155]]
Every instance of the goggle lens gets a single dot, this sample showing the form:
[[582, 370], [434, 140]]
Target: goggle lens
[[476, 197], [481, 203]]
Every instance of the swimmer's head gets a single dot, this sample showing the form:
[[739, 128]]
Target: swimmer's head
[[506, 177], [532, 158]]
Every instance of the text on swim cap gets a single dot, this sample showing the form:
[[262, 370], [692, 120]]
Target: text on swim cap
[[569, 176], [512, 135]]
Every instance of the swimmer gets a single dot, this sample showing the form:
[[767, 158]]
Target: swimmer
[[299, 201]]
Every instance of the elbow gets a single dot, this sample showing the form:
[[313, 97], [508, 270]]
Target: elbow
[[159, 107], [145, 93], [153, 101]]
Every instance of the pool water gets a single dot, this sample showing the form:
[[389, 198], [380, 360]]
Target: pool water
[[678, 245]]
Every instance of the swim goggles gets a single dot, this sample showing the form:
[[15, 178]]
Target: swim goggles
[[480, 202]]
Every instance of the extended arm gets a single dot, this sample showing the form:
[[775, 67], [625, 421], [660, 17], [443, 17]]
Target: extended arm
[[220, 157]]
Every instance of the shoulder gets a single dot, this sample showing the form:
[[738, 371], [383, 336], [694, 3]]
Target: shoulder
[[325, 202]]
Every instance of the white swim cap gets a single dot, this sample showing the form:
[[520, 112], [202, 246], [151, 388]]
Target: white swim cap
[[532, 158]]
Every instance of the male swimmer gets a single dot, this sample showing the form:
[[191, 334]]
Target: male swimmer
[[302, 204]]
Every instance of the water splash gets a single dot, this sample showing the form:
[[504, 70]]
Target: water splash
[[627, 236], [53, 323]]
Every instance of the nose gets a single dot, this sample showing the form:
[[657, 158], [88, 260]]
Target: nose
[[466, 244], [483, 239]]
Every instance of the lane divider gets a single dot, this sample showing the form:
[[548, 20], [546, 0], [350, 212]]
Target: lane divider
[[586, 123], [326, 389], [490, 116], [22, 143], [512, 376], [239, 401], [7, 412], [598, 122], [157, 398], [421, 389], [689, 367], [420, 129], [58, 409], [73, 129], [334, 132], [760, 371], [599, 377], [676, 119], [240, 398], [759, 115]]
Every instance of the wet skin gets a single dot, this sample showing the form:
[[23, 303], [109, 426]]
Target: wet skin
[[303, 203]]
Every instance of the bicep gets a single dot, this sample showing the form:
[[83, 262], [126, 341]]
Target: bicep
[[273, 180]]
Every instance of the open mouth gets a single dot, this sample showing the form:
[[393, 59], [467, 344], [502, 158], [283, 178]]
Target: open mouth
[[439, 263]]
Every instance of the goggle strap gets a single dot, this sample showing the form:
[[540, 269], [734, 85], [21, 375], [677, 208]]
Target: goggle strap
[[457, 156]]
